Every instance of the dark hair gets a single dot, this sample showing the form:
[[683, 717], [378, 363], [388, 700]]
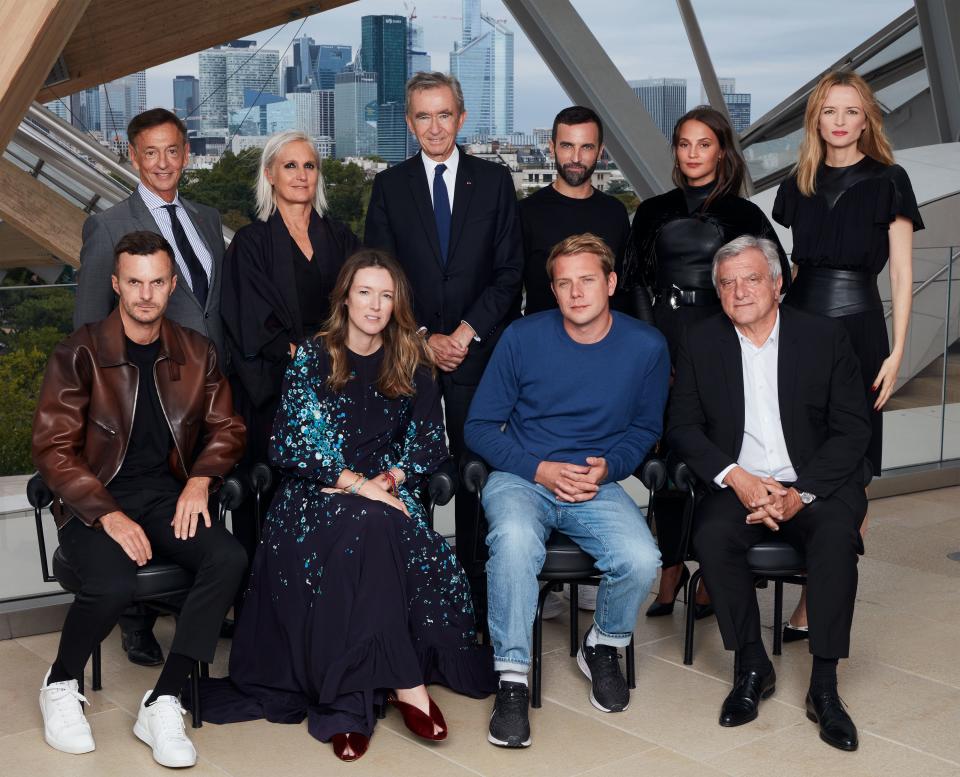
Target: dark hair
[[142, 244], [576, 114], [731, 165], [155, 117]]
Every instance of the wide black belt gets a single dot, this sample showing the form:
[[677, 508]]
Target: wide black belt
[[834, 293], [676, 297]]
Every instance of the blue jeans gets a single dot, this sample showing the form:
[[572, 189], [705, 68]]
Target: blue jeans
[[610, 527]]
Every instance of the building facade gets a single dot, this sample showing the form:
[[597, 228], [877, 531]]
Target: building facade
[[355, 110], [120, 101], [226, 71], [186, 99], [665, 100]]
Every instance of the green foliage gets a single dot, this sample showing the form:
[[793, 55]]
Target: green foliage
[[228, 186], [348, 193]]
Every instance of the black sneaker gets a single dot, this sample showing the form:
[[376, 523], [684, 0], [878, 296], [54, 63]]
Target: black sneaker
[[509, 723], [602, 665]]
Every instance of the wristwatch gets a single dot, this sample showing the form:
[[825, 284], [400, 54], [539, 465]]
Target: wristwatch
[[806, 497]]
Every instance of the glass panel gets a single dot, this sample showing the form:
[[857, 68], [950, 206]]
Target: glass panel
[[902, 45], [893, 96]]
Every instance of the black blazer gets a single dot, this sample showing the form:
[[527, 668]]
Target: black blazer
[[484, 268], [823, 409]]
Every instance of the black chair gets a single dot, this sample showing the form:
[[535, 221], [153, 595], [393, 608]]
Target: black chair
[[769, 560], [566, 563], [160, 585]]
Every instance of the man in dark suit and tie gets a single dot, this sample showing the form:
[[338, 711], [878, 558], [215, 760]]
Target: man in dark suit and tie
[[159, 153], [768, 410], [451, 220]]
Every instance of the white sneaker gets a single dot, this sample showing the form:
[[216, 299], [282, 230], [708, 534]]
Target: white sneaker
[[586, 596], [64, 726], [161, 726]]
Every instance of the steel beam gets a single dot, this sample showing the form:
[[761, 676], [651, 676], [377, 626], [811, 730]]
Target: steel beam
[[590, 78], [940, 37]]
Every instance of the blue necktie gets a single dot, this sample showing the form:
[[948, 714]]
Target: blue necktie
[[441, 210]]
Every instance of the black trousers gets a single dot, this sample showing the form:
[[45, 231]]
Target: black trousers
[[828, 533], [108, 579], [456, 404]]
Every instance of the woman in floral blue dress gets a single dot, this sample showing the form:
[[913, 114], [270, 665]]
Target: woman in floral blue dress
[[353, 598]]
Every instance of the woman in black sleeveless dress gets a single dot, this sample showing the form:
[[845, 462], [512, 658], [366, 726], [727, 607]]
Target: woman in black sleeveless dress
[[668, 264], [851, 210]]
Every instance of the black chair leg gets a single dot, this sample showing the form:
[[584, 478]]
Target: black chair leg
[[777, 617], [95, 669], [196, 711], [204, 669], [574, 618], [691, 618], [537, 656], [631, 665], [380, 710]]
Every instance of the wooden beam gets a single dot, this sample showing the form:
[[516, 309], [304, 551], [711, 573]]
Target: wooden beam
[[20, 251], [41, 214], [31, 37], [119, 37]]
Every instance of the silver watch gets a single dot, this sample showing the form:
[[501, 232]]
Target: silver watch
[[806, 497]]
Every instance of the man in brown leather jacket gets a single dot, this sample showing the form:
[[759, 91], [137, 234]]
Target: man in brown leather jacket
[[134, 427]]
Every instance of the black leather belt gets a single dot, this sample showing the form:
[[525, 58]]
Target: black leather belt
[[834, 293], [676, 297]]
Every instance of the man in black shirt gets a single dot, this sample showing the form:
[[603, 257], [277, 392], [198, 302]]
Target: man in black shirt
[[569, 205]]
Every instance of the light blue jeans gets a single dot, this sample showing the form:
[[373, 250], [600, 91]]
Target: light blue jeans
[[610, 527]]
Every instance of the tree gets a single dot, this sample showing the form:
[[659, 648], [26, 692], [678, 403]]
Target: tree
[[348, 193], [228, 186]]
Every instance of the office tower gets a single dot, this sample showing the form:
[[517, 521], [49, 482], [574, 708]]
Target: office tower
[[186, 98], [665, 100], [391, 132], [226, 71], [251, 119], [85, 109], [418, 60], [355, 112], [59, 108], [738, 103], [314, 66], [120, 101], [484, 66], [383, 51]]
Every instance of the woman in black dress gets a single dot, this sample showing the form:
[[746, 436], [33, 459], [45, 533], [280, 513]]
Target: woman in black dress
[[851, 209], [669, 258], [353, 598], [277, 277]]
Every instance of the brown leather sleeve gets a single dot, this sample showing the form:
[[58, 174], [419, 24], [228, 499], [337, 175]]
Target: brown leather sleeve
[[59, 431], [224, 433]]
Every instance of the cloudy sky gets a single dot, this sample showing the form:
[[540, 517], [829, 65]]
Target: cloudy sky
[[772, 47]]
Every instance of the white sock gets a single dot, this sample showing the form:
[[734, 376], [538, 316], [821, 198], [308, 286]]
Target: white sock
[[592, 636], [513, 677]]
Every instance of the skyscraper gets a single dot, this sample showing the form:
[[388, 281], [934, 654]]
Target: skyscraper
[[418, 60], [383, 51], [738, 103], [59, 108], [355, 111], [483, 63], [186, 98], [85, 109], [120, 101], [665, 100], [315, 65], [225, 71]]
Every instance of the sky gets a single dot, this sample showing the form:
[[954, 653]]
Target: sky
[[771, 47]]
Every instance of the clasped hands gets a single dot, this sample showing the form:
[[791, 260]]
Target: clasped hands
[[767, 500], [448, 351], [572, 482], [376, 488]]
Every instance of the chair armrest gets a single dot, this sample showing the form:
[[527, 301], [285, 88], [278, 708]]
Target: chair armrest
[[443, 483], [261, 477], [681, 475], [231, 493], [653, 474], [474, 473], [39, 494]]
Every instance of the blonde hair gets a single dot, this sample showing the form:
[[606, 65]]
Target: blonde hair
[[266, 198], [587, 243], [403, 349], [872, 141]]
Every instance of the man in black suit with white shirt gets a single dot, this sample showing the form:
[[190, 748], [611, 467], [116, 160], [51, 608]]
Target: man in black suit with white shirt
[[451, 220], [767, 409]]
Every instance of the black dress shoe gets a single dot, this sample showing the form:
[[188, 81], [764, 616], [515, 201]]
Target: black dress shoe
[[142, 648], [743, 701], [794, 634], [825, 708], [659, 609], [701, 611]]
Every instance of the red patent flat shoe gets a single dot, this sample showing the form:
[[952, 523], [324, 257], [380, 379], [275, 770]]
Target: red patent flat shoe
[[357, 743], [420, 723]]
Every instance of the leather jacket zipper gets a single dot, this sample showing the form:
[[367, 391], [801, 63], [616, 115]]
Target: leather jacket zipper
[[133, 415], [183, 461]]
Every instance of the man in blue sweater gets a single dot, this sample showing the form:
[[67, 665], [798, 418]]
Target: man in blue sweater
[[570, 403]]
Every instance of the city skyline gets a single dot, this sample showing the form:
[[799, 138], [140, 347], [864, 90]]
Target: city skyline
[[783, 52]]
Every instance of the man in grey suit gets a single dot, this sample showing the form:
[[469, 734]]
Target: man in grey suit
[[159, 153]]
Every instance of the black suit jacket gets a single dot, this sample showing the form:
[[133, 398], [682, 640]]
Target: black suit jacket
[[484, 267], [823, 409]]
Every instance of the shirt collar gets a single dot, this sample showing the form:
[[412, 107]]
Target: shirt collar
[[773, 339], [155, 202], [451, 162]]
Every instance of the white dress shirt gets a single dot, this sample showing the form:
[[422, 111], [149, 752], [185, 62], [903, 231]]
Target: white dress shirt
[[449, 175], [764, 449], [156, 206]]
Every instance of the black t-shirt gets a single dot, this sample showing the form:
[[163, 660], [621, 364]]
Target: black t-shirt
[[146, 464], [547, 217]]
